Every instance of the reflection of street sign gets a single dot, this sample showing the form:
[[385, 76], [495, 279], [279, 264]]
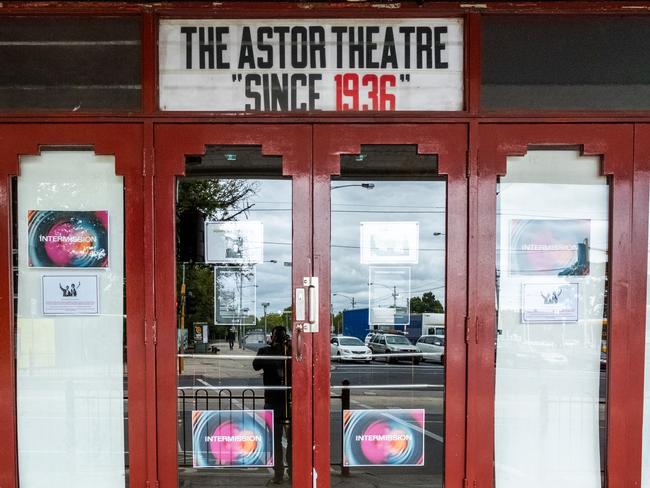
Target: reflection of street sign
[[234, 295], [236, 242], [382, 316]]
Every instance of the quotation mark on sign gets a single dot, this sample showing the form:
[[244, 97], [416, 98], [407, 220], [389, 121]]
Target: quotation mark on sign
[[406, 77], [236, 77]]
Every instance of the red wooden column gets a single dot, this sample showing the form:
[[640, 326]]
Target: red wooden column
[[449, 142], [173, 143], [614, 144], [638, 277], [124, 141]]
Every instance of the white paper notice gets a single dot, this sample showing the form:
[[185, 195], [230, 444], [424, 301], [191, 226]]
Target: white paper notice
[[70, 295]]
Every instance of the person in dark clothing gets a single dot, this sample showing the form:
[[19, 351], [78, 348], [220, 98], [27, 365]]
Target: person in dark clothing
[[276, 372], [231, 337]]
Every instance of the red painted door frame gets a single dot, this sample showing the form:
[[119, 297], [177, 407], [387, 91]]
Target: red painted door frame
[[172, 143], [124, 141], [614, 143], [449, 142]]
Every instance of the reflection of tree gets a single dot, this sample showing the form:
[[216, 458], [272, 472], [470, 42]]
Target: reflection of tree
[[274, 319], [427, 303], [215, 199], [199, 282], [199, 200]]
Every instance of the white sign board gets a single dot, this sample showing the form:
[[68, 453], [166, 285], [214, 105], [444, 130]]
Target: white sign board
[[285, 65], [234, 242], [70, 295], [389, 242], [550, 302]]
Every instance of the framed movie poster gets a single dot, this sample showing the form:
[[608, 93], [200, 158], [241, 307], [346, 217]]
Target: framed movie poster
[[232, 438], [67, 239]]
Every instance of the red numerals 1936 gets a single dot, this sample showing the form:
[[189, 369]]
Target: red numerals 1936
[[368, 92]]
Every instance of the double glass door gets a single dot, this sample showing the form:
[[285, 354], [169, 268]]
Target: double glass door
[[313, 326]]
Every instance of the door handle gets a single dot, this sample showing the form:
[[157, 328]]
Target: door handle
[[311, 282], [299, 342]]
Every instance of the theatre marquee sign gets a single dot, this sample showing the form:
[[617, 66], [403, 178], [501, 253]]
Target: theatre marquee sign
[[311, 65]]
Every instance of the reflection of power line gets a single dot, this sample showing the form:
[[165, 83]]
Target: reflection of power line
[[358, 211]]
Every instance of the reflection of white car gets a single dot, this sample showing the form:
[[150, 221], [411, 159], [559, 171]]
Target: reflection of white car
[[432, 347], [349, 349]]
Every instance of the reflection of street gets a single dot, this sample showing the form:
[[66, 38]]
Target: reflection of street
[[372, 386]]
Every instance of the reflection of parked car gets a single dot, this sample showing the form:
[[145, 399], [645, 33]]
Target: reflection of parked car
[[254, 340], [349, 349], [394, 348], [432, 347]]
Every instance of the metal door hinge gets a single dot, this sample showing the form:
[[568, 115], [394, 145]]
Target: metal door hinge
[[466, 329], [154, 329]]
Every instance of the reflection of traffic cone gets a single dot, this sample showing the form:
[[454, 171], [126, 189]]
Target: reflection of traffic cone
[[581, 266]]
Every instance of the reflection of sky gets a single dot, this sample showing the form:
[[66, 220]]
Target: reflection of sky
[[399, 201], [272, 206]]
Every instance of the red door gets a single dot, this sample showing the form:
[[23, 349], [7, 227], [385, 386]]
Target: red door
[[233, 246], [377, 219], [390, 210]]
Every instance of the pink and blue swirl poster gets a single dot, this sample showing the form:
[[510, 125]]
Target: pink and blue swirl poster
[[232, 438], [549, 247], [383, 437], [67, 239]]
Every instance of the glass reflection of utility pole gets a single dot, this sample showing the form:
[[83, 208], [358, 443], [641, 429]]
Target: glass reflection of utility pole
[[181, 347], [352, 299], [265, 306], [394, 293]]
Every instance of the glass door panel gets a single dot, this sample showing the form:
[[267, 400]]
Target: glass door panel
[[387, 341], [234, 288], [552, 309]]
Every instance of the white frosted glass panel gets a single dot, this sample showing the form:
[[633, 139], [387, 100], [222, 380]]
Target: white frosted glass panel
[[552, 238], [70, 376], [645, 467]]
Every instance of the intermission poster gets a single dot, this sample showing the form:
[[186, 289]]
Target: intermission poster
[[393, 437], [549, 247], [68, 239], [232, 438], [285, 65]]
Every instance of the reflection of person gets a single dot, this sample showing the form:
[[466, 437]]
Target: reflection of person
[[277, 373], [231, 337]]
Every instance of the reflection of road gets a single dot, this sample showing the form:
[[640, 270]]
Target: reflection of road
[[367, 382], [234, 370]]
